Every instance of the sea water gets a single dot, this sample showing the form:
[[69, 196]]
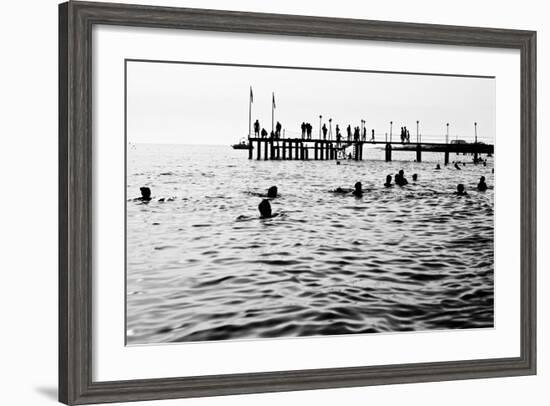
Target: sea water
[[202, 265]]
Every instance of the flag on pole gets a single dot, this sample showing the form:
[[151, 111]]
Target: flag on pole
[[274, 105], [251, 95]]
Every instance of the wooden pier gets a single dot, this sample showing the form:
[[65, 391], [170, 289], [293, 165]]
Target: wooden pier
[[319, 150]]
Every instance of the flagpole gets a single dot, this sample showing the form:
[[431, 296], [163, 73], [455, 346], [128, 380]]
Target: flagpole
[[273, 113], [250, 113]]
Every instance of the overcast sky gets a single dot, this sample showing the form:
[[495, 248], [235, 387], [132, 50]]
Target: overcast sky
[[173, 103]]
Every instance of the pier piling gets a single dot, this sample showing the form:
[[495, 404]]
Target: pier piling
[[388, 152], [324, 150]]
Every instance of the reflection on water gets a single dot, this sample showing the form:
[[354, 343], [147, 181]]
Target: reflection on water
[[205, 267]]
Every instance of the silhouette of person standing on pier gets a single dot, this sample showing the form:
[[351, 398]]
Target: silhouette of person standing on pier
[[278, 128], [325, 129], [256, 128], [348, 130], [338, 134], [372, 137], [303, 127], [308, 130], [264, 133]]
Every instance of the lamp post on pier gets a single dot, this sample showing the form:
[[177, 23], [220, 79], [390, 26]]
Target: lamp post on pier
[[391, 129], [447, 136], [320, 119], [417, 132], [475, 130]]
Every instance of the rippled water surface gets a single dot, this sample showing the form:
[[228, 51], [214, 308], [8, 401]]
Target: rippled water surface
[[201, 265]]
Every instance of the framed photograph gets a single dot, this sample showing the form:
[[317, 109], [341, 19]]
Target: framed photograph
[[258, 202]]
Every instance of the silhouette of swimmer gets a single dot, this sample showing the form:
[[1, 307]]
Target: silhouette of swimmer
[[457, 167], [400, 178], [265, 209], [341, 190], [358, 189], [145, 194], [438, 167], [388, 181], [272, 192], [415, 177], [460, 190], [482, 186]]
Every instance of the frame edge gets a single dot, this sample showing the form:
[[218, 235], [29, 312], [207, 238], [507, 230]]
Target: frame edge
[[75, 352]]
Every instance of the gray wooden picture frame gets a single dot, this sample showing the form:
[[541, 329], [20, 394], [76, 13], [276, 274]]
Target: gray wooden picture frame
[[76, 20]]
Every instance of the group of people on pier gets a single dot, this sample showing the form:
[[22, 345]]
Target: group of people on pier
[[306, 128], [275, 134]]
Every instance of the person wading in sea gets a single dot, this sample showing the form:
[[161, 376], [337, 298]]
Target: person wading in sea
[[460, 190], [265, 209], [482, 186]]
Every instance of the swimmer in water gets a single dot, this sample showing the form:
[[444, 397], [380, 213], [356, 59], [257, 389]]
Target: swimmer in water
[[388, 181], [460, 190], [438, 167], [145, 194], [272, 192], [265, 209], [482, 186], [400, 178], [358, 192], [457, 167], [415, 177]]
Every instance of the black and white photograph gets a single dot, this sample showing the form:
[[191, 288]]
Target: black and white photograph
[[277, 202]]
